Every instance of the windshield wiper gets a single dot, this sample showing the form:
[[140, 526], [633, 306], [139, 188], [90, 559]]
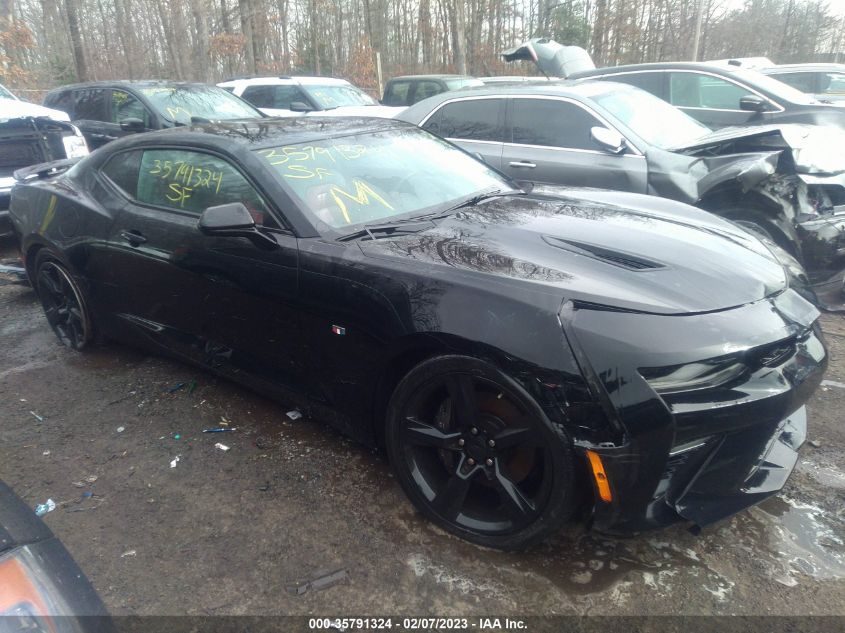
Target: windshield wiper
[[400, 227], [481, 197]]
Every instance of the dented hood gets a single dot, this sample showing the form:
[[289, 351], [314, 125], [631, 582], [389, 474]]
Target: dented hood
[[553, 59], [815, 149], [610, 248]]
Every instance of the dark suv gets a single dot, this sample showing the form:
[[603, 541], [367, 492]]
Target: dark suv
[[407, 90], [107, 110]]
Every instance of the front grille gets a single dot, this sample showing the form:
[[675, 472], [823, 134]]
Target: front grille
[[15, 154]]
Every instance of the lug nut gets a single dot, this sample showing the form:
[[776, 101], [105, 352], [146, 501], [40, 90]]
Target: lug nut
[[461, 442], [491, 443], [474, 431], [489, 462], [471, 461]]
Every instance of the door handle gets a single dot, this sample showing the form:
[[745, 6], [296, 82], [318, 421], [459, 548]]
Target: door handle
[[133, 237], [522, 163], [103, 137]]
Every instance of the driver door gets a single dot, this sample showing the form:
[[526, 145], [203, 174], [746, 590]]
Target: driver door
[[223, 301], [549, 143]]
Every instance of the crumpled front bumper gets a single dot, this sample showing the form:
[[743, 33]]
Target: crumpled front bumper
[[705, 454], [732, 477]]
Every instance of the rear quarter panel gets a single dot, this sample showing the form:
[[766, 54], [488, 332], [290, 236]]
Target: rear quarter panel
[[61, 215]]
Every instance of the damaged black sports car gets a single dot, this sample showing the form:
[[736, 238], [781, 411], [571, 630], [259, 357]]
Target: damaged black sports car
[[785, 182], [524, 358]]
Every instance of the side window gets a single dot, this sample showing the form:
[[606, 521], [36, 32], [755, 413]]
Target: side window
[[259, 96], [397, 93], [426, 89], [552, 123], [122, 170], [192, 181], [833, 83], [694, 90], [90, 105], [473, 119], [61, 101], [283, 96], [125, 106], [805, 82], [650, 82]]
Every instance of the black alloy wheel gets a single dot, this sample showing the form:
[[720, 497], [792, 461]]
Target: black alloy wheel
[[476, 454], [63, 302]]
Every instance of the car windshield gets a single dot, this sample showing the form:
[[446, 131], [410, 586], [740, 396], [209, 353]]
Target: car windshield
[[5, 94], [180, 103], [378, 177], [329, 96], [651, 118], [776, 88]]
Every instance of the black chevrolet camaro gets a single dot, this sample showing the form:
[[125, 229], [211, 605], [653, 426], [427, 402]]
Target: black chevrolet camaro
[[522, 357]]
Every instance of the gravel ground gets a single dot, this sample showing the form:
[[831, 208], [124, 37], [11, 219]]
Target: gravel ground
[[229, 533]]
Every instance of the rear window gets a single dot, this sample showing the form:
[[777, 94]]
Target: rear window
[[397, 93], [62, 100], [90, 105], [473, 119], [122, 170], [650, 82]]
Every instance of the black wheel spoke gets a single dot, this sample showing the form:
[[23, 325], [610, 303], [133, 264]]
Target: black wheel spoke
[[464, 402], [63, 305], [421, 434], [516, 503], [46, 281], [451, 498], [53, 315], [517, 436]]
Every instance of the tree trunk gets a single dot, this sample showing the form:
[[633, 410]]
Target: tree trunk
[[76, 40], [459, 37]]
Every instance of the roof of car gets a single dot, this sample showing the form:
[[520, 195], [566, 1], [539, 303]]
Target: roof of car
[[540, 86], [283, 81], [405, 77], [267, 132], [608, 70], [129, 83], [798, 67]]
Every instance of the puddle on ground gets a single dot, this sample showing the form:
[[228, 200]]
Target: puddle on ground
[[806, 539], [825, 474]]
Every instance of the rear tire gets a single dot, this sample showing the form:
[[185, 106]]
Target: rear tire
[[63, 301], [477, 456]]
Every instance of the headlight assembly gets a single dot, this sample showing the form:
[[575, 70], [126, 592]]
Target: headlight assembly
[[693, 376]]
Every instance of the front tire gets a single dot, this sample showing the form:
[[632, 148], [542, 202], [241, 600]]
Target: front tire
[[63, 301], [476, 454]]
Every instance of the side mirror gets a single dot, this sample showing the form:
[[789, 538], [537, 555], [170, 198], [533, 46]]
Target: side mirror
[[132, 124], [608, 140], [299, 106], [753, 103], [234, 220]]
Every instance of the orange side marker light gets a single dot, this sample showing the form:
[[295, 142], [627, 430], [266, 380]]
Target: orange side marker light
[[600, 476]]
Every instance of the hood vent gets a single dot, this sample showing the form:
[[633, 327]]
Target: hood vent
[[617, 258]]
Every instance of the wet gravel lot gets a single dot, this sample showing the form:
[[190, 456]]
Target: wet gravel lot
[[229, 532]]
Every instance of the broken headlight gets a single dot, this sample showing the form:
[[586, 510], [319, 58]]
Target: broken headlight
[[75, 146], [693, 376]]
